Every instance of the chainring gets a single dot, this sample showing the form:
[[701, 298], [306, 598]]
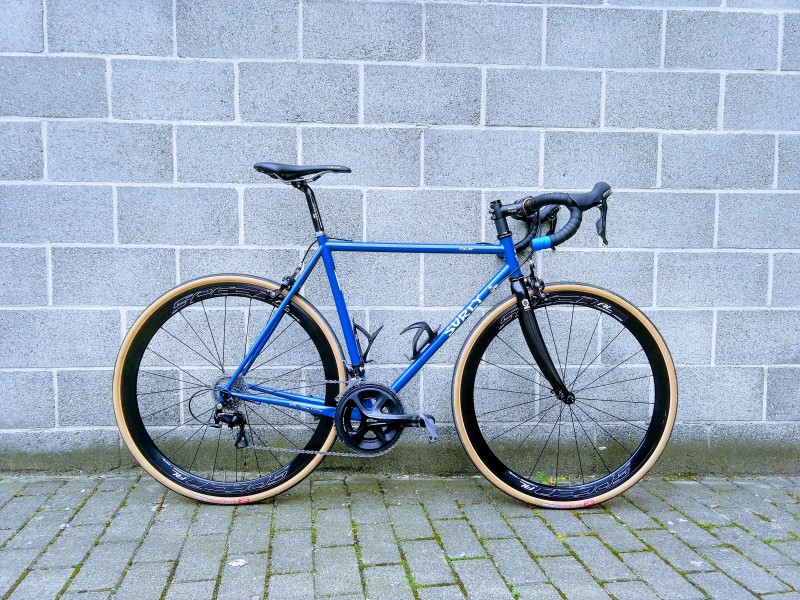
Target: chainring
[[361, 433]]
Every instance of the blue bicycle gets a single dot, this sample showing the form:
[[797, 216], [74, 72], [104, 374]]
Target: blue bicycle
[[232, 388]]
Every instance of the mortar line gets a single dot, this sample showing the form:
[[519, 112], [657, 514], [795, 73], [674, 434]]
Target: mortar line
[[716, 220], [714, 337], [123, 329], [659, 160], [361, 93], [108, 90], [764, 400], [780, 40], [299, 134], [424, 31], [655, 278], [422, 158], [721, 103], [237, 115], [45, 42], [364, 215], [775, 165], [603, 78], [174, 154], [115, 214], [770, 276], [484, 210], [663, 38], [421, 280], [177, 266], [300, 29], [541, 160], [482, 119], [56, 415]]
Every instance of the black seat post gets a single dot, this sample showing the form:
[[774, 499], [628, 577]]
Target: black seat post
[[311, 200]]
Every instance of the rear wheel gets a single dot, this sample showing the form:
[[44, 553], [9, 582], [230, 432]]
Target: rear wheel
[[190, 341], [575, 452]]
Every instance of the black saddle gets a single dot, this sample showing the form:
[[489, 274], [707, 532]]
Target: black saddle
[[292, 173]]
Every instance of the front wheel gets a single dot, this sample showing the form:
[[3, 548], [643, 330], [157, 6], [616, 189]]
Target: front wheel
[[576, 452]]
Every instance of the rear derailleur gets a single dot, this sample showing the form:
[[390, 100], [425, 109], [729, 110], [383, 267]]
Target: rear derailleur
[[231, 419]]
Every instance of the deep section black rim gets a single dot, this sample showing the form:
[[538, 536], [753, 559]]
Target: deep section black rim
[[553, 426], [298, 346]]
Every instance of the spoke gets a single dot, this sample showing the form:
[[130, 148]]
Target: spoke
[[278, 431], [615, 401], [198, 335], [255, 452], [599, 354], [261, 440], [520, 355], [279, 409], [569, 339], [604, 429], [610, 370], [214, 469], [162, 434], [177, 367], [165, 330], [614, 383], [172, 378], [187, 441], [199, 445], [213, 339], [512, 372], [174, 390], [588, 345], [319, 360], [588, 437], [615, 416], [488, 412], [224, 327], [247, 326], [491, 389], [161, 410], [272, 341], [541, 412], [285, 351], [558, 445], [577, 449], [552, 335], [527, 435], [547, 440]]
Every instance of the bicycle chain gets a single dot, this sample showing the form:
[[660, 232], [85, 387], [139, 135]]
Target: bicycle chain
[[353, 382]]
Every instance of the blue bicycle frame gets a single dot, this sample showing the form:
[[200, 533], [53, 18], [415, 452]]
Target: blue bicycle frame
[[325, 249]]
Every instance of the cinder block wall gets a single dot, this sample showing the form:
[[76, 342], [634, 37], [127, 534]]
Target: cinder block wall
[[128, 130]]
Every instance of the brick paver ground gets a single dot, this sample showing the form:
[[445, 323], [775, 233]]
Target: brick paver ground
[[379, 537]]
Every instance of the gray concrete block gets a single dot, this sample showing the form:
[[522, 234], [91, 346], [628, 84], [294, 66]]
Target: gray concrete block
[[383, 157], [703, 390], [452, 280], [543, 98], [109, 152], [227, 153], [629, 274], [21, 151], [53, 87], [292, 586], [458, 539], [687, 333], [707, 278], [367, 31], [786, 280], [789, 162], [480, 579], [111, 276], [23, 276], [40, 409], [658, 220], [436, 95], [78, 394], [662, 100], [668, 3], [36, 214], [721, 40], [762, 4], [393, 280], [86, 338], [43, 583], [758, 337], [298, 92], [241, 29], [707, 161], [773, 95], [576, 159], [790, 61], [742, 222], [481, 158], [201, 216], [172, 90], [386, 209], [110, 27], [571, 577], [278, 216], [336, 571], [272, 264], [621, 38], [666, 582], [783, 401], [21, 27], [483, 34], [387, 581]]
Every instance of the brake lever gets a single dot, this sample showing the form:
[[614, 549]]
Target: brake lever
[[601, 222]]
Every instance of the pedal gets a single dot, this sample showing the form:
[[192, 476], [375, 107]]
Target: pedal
[[430, 424], [416, 347]]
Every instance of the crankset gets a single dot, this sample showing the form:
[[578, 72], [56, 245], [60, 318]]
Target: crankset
[[369, 419]]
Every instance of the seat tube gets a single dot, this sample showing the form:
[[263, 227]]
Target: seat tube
[[341, 306]]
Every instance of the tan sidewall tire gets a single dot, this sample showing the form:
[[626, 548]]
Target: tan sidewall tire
[[123, 353], [459, 421]]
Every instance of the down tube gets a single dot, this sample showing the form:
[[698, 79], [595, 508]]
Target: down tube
[[450, 329]]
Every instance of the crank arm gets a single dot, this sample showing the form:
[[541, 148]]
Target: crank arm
[[408, 420]]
